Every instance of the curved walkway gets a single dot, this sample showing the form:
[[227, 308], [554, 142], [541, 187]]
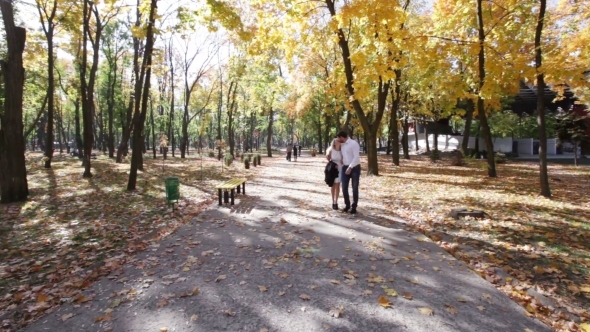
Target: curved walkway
[[282, 260]]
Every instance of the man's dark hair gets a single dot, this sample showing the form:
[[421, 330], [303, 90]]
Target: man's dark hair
[[342, 133]]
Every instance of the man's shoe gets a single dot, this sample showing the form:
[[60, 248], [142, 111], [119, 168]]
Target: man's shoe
[[345, 210], [353, 210]]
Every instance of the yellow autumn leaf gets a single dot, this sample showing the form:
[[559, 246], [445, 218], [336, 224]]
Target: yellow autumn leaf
[[384, 301]]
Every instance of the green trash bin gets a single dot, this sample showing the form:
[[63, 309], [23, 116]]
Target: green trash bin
[[172, 190]]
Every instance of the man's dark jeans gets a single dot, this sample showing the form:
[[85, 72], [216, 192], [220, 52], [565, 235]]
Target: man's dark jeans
[[355, 175]]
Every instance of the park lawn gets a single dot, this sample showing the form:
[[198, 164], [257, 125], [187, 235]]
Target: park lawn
[[72, 230], [534, 249]]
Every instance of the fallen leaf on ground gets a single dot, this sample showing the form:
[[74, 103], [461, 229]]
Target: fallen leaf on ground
[[368, 292], [337, 312], [43, 298], [585, 327], [262, 288], [284, 275], [281, 293], [105, 318], [221, 277], [229, 313], [481, 308], [162, 303], [407, 296], [389, 291], [426, 311], [335, 282], [194, 318], [451, 309], [384, 301], [304, 297], [66, 317], [461, 299]]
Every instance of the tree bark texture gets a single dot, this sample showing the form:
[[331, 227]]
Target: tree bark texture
[[468, 121], [13, 172], [483, 119], [393, 127], [544, 174], [271, 115], [141, 113]]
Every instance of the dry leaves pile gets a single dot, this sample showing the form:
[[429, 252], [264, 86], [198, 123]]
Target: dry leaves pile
[[72, 230], [536, 250]]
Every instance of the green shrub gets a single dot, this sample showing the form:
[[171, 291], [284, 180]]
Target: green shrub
[[500, 158], [258, 158], [228, 159]]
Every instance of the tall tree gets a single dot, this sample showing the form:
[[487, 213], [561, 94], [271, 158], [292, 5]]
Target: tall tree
[[47, 14], [207, 51], [383, 85], [13, 172], [142, 94], [481, 111], [113, 49], [544, 175]]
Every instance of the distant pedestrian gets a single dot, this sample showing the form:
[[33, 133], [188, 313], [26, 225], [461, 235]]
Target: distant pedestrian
[[289, 151], [299, 150], [351, 170], [295, 152]]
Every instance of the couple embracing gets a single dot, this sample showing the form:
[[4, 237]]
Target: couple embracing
[[344, 167]]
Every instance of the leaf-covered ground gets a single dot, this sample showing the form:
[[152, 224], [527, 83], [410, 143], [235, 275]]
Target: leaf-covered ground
[[535, 249], [73, 230]]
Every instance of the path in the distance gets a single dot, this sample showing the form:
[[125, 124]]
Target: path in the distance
[[280, 260]]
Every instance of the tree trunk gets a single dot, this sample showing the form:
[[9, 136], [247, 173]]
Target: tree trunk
[[435, 135], [110, 110], [140, 114], [319, 123], [78, 133], [269, 131], [406, 139], [544, 174], [230, 117], [50, 96], [393, 127], [171, 124], [13, 172], [327, 140], [153, 128], [426, 138], [416, 135], [483, 119], [126, 132], [576, 153], [468, 121]]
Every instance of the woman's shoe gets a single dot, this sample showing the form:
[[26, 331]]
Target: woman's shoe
[[335, 206]]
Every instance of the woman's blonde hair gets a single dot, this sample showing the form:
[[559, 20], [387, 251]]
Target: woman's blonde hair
[[334, 142]]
